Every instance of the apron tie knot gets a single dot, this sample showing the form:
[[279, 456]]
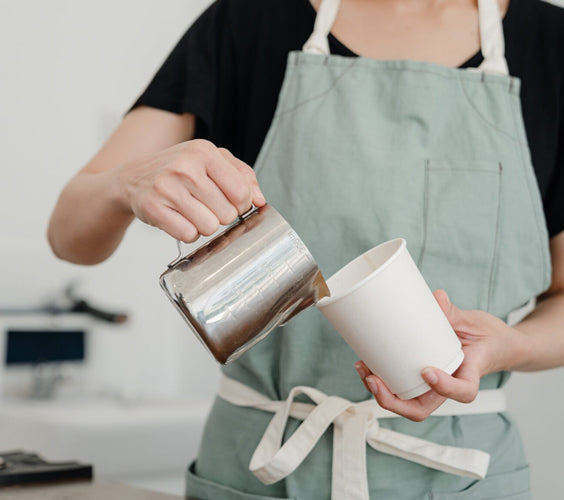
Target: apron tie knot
[[369, 411], [354, 426]]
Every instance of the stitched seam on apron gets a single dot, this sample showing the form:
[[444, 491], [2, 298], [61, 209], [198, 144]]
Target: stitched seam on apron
[[425, 214], [496, 239], [483, 170], [463, 74], [272, 130], [482, 117], [523, 154], [318, 96], [498, 173]]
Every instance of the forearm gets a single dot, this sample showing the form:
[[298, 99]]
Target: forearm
[[92, 212], [89, 219], [542, 345]]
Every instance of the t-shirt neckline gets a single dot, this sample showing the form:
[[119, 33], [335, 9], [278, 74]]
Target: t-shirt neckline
[[339, 48]]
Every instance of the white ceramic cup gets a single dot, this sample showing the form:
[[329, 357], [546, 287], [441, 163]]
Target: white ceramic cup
[[383, 308]]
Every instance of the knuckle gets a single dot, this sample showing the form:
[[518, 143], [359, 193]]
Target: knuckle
[[202, 145], [148, 206], [447, 392], [469, 396], [418, 416], [195, 176], [249, 172], [241, 195], [160, 185], [384, 402]]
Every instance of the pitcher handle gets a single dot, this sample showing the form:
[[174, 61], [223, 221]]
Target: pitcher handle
[[236, 222]]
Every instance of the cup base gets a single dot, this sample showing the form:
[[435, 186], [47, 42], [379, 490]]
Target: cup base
[[423, 387]]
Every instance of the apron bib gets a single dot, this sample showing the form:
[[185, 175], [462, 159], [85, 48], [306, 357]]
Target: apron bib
[[361, 151]]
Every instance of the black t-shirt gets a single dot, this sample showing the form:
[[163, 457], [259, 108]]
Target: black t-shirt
[[229, 66]]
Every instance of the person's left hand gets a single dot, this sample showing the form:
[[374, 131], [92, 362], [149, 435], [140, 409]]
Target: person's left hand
[[489, 345]]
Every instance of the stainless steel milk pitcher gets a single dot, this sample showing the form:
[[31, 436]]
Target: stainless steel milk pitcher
[[238, 286]]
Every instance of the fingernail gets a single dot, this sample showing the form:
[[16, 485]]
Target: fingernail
[[372, 384], [429, 376], [361, 370]]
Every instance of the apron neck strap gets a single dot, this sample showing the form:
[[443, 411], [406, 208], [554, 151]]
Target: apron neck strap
[[317, 43], [491, 38], [491, 34]]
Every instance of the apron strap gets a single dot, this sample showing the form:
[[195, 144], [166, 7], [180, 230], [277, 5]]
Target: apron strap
[[354, 426], [317, 43], [491, 34], [491, 38]]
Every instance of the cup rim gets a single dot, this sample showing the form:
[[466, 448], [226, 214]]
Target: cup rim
[[327, 301]]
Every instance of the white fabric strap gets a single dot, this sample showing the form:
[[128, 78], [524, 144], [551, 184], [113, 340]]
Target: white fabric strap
[[491, 34], [354, 425], [491, 38], [317, 43]]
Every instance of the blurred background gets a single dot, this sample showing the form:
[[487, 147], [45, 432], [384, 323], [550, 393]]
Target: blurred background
[[128, 397]]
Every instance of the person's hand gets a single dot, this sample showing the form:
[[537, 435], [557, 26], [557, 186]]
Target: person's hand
[[489, 345], [189, 189]]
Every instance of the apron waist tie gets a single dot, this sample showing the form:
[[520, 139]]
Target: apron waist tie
[[354, 425]]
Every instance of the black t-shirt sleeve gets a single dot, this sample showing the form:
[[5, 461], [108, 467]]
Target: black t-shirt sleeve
[[228, 68], [554, 198], [547, 110], [187, 82]]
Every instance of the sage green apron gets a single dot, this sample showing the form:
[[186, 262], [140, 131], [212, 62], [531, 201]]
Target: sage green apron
[[361, 151]]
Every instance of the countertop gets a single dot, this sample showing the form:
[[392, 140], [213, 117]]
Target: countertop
[[83, 490]]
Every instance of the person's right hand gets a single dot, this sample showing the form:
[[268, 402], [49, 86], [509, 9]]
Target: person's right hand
[[188, 189]]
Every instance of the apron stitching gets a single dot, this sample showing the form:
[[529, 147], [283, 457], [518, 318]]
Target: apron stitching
[[464, 74], [270, 135], [482, 117], [496, 238], [462, 169], [528, 178], [318, 96], [425, 215], [264, 155]]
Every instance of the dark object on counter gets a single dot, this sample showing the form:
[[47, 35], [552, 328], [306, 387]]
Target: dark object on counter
[[78, 490], [81, 306], [19, 467], [67, 303], [33, 346]]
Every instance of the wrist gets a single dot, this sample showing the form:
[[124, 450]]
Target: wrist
[[117, 191], [521, 346]]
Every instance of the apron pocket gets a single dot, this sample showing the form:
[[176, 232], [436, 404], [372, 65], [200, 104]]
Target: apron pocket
[[198, 488], [512, 485], [461, 221]]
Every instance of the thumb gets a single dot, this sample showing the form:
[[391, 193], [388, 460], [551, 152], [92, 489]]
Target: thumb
[[453, 313]]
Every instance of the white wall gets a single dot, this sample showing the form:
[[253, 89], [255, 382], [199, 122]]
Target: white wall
[[69, 71]]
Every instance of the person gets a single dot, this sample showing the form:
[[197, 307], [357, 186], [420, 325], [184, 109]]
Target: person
[[437, 121]]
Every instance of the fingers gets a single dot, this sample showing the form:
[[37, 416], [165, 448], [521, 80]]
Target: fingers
[[450, 310], [205, 221], [194, 181], [458, 318], [464, 387], [175, 224], [248, 174], [235, 179], [416, 409], [208, 194], [363, 372]]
